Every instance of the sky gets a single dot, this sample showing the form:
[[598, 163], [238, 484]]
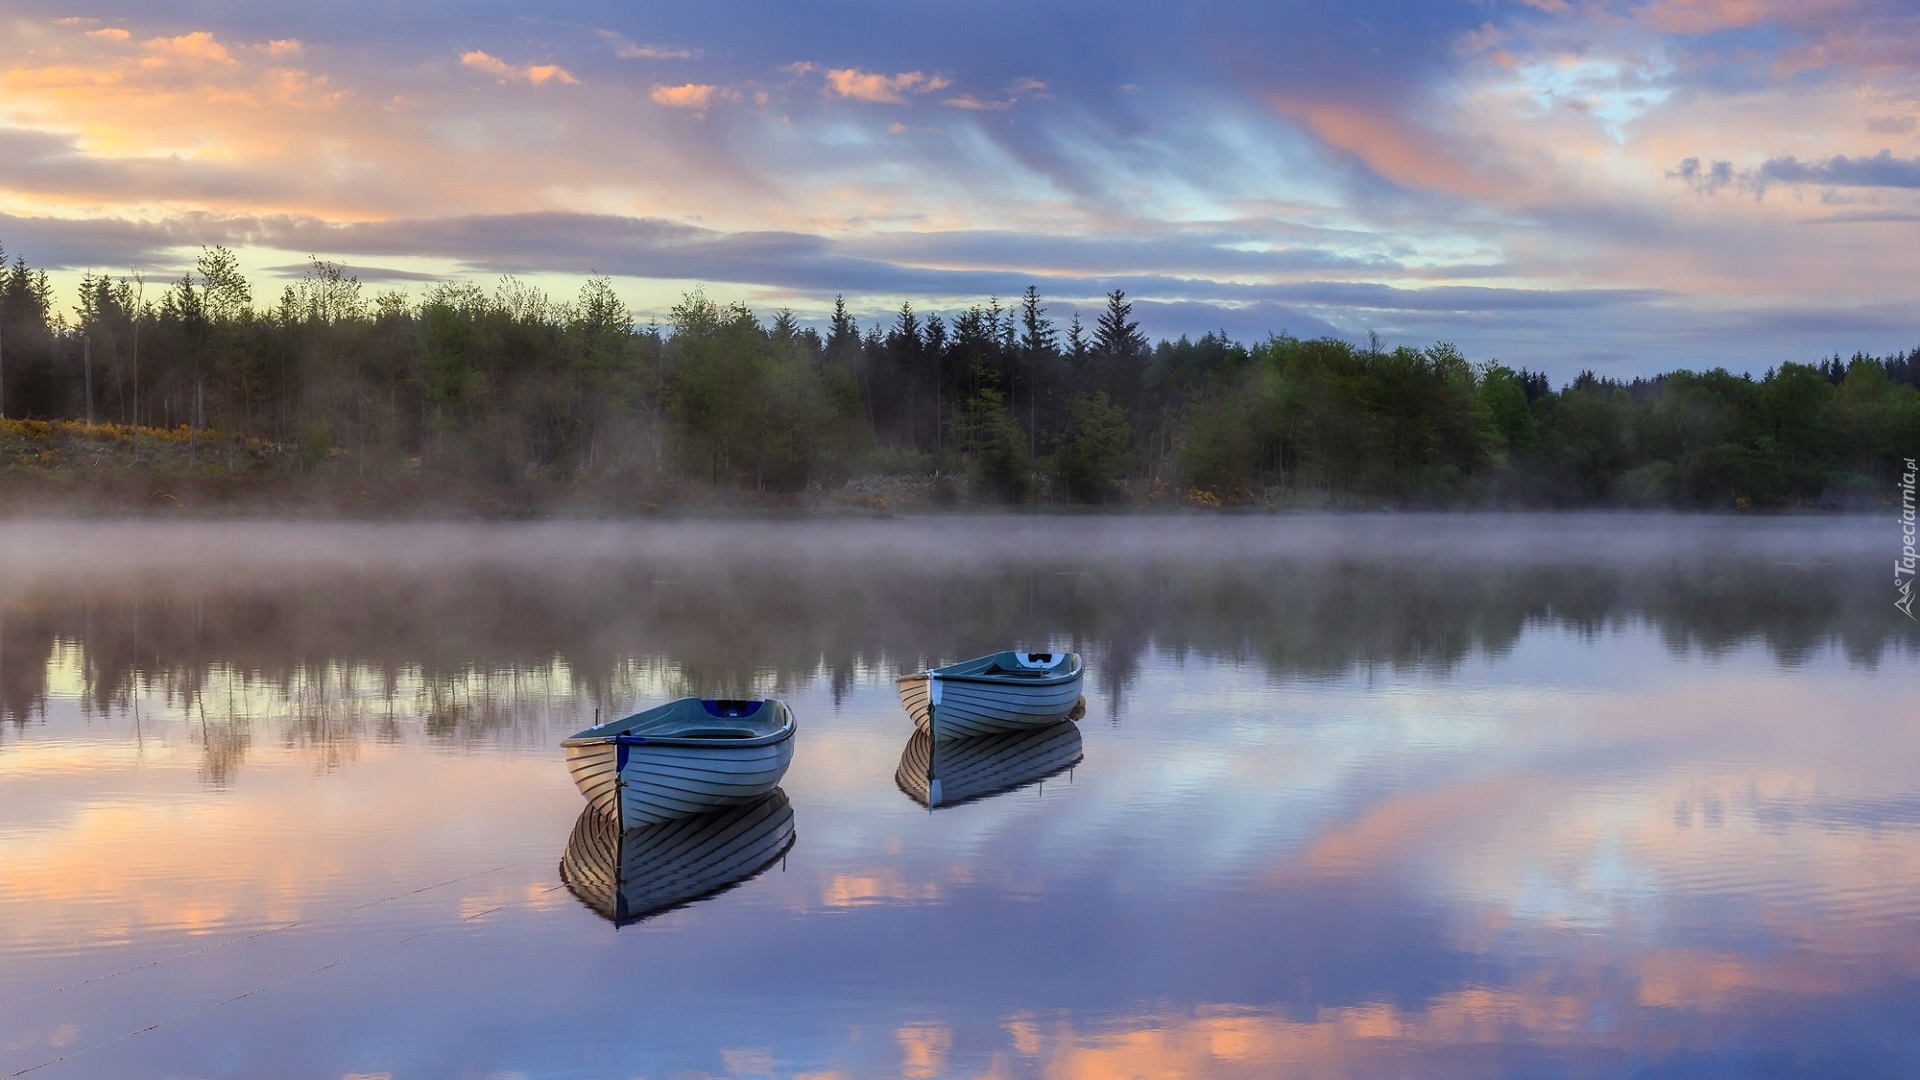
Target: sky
[[1627, 186]]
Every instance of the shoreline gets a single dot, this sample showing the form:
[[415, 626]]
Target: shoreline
[[70, 471]]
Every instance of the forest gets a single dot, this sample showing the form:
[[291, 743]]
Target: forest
[[511, 388]]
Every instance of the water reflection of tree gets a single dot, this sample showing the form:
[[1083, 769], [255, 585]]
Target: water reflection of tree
[[472, 654]]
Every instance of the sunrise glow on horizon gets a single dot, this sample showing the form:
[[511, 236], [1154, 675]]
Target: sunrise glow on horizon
[[1565, 184]]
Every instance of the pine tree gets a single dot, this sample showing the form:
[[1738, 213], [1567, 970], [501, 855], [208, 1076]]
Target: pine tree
[[1120, 350], [1116, 336], [1038, 334]]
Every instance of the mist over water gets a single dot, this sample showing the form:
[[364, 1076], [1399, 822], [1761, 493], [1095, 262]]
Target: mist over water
[[1517, 794]]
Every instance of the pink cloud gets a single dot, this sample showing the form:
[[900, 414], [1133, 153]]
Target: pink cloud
[[968, 101], [696, 97], [1705, 16], [685, 96], [1397, 150], [536, 74], [885, 89]]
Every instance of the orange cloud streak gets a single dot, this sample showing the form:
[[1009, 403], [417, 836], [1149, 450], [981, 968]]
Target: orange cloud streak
[[1396, 150]]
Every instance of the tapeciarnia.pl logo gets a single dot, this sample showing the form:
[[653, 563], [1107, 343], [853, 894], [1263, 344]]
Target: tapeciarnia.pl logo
[[1903, 567]]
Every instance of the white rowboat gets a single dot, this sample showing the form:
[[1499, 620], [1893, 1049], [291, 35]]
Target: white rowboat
[[988, 695], [683, 758]]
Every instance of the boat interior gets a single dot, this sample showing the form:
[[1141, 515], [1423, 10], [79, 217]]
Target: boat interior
[[696, 718]]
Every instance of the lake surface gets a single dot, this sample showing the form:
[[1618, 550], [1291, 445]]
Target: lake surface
[[1376, 795]]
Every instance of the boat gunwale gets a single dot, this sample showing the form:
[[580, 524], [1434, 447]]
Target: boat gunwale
[[941, 673], [779, 735]]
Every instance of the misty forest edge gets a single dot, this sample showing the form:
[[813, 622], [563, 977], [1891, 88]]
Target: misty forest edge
[[512, 401]]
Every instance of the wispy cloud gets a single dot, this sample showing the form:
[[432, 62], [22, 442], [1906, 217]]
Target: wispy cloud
[[1575, 159], [968, 101], [626, 48]]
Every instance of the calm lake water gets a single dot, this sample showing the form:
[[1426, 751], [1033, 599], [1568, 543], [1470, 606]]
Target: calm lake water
[[1390, 795]]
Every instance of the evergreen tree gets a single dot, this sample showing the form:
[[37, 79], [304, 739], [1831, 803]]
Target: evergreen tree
[[1120, 351]]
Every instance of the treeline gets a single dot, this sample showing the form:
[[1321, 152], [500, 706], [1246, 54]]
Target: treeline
[[513, 383]]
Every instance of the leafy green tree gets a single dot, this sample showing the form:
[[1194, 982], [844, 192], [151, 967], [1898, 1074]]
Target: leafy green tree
[[1504, 397]]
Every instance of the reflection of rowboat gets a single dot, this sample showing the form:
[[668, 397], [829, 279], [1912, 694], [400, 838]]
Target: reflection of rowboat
[[1007, 691], [954, 771], [683, 758], [626, 876]]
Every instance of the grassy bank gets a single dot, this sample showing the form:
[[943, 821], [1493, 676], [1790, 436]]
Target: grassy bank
[[72, 468]]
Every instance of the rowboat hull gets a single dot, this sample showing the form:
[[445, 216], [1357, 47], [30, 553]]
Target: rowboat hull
[[938, 774], [948, 703], [681, 759], [661, 783], [627, 875]]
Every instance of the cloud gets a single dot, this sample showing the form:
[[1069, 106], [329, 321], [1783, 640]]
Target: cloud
[[536, 74], [197, 47], [1706, 180], [1704, 17], [653, 52], [1395, 148], [368, 274], [111, 33], [968, 101], [627, 49], [885, 89], [51, 165], [696, 96], [1389, 157], [1881, 170], [1865, 217]]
